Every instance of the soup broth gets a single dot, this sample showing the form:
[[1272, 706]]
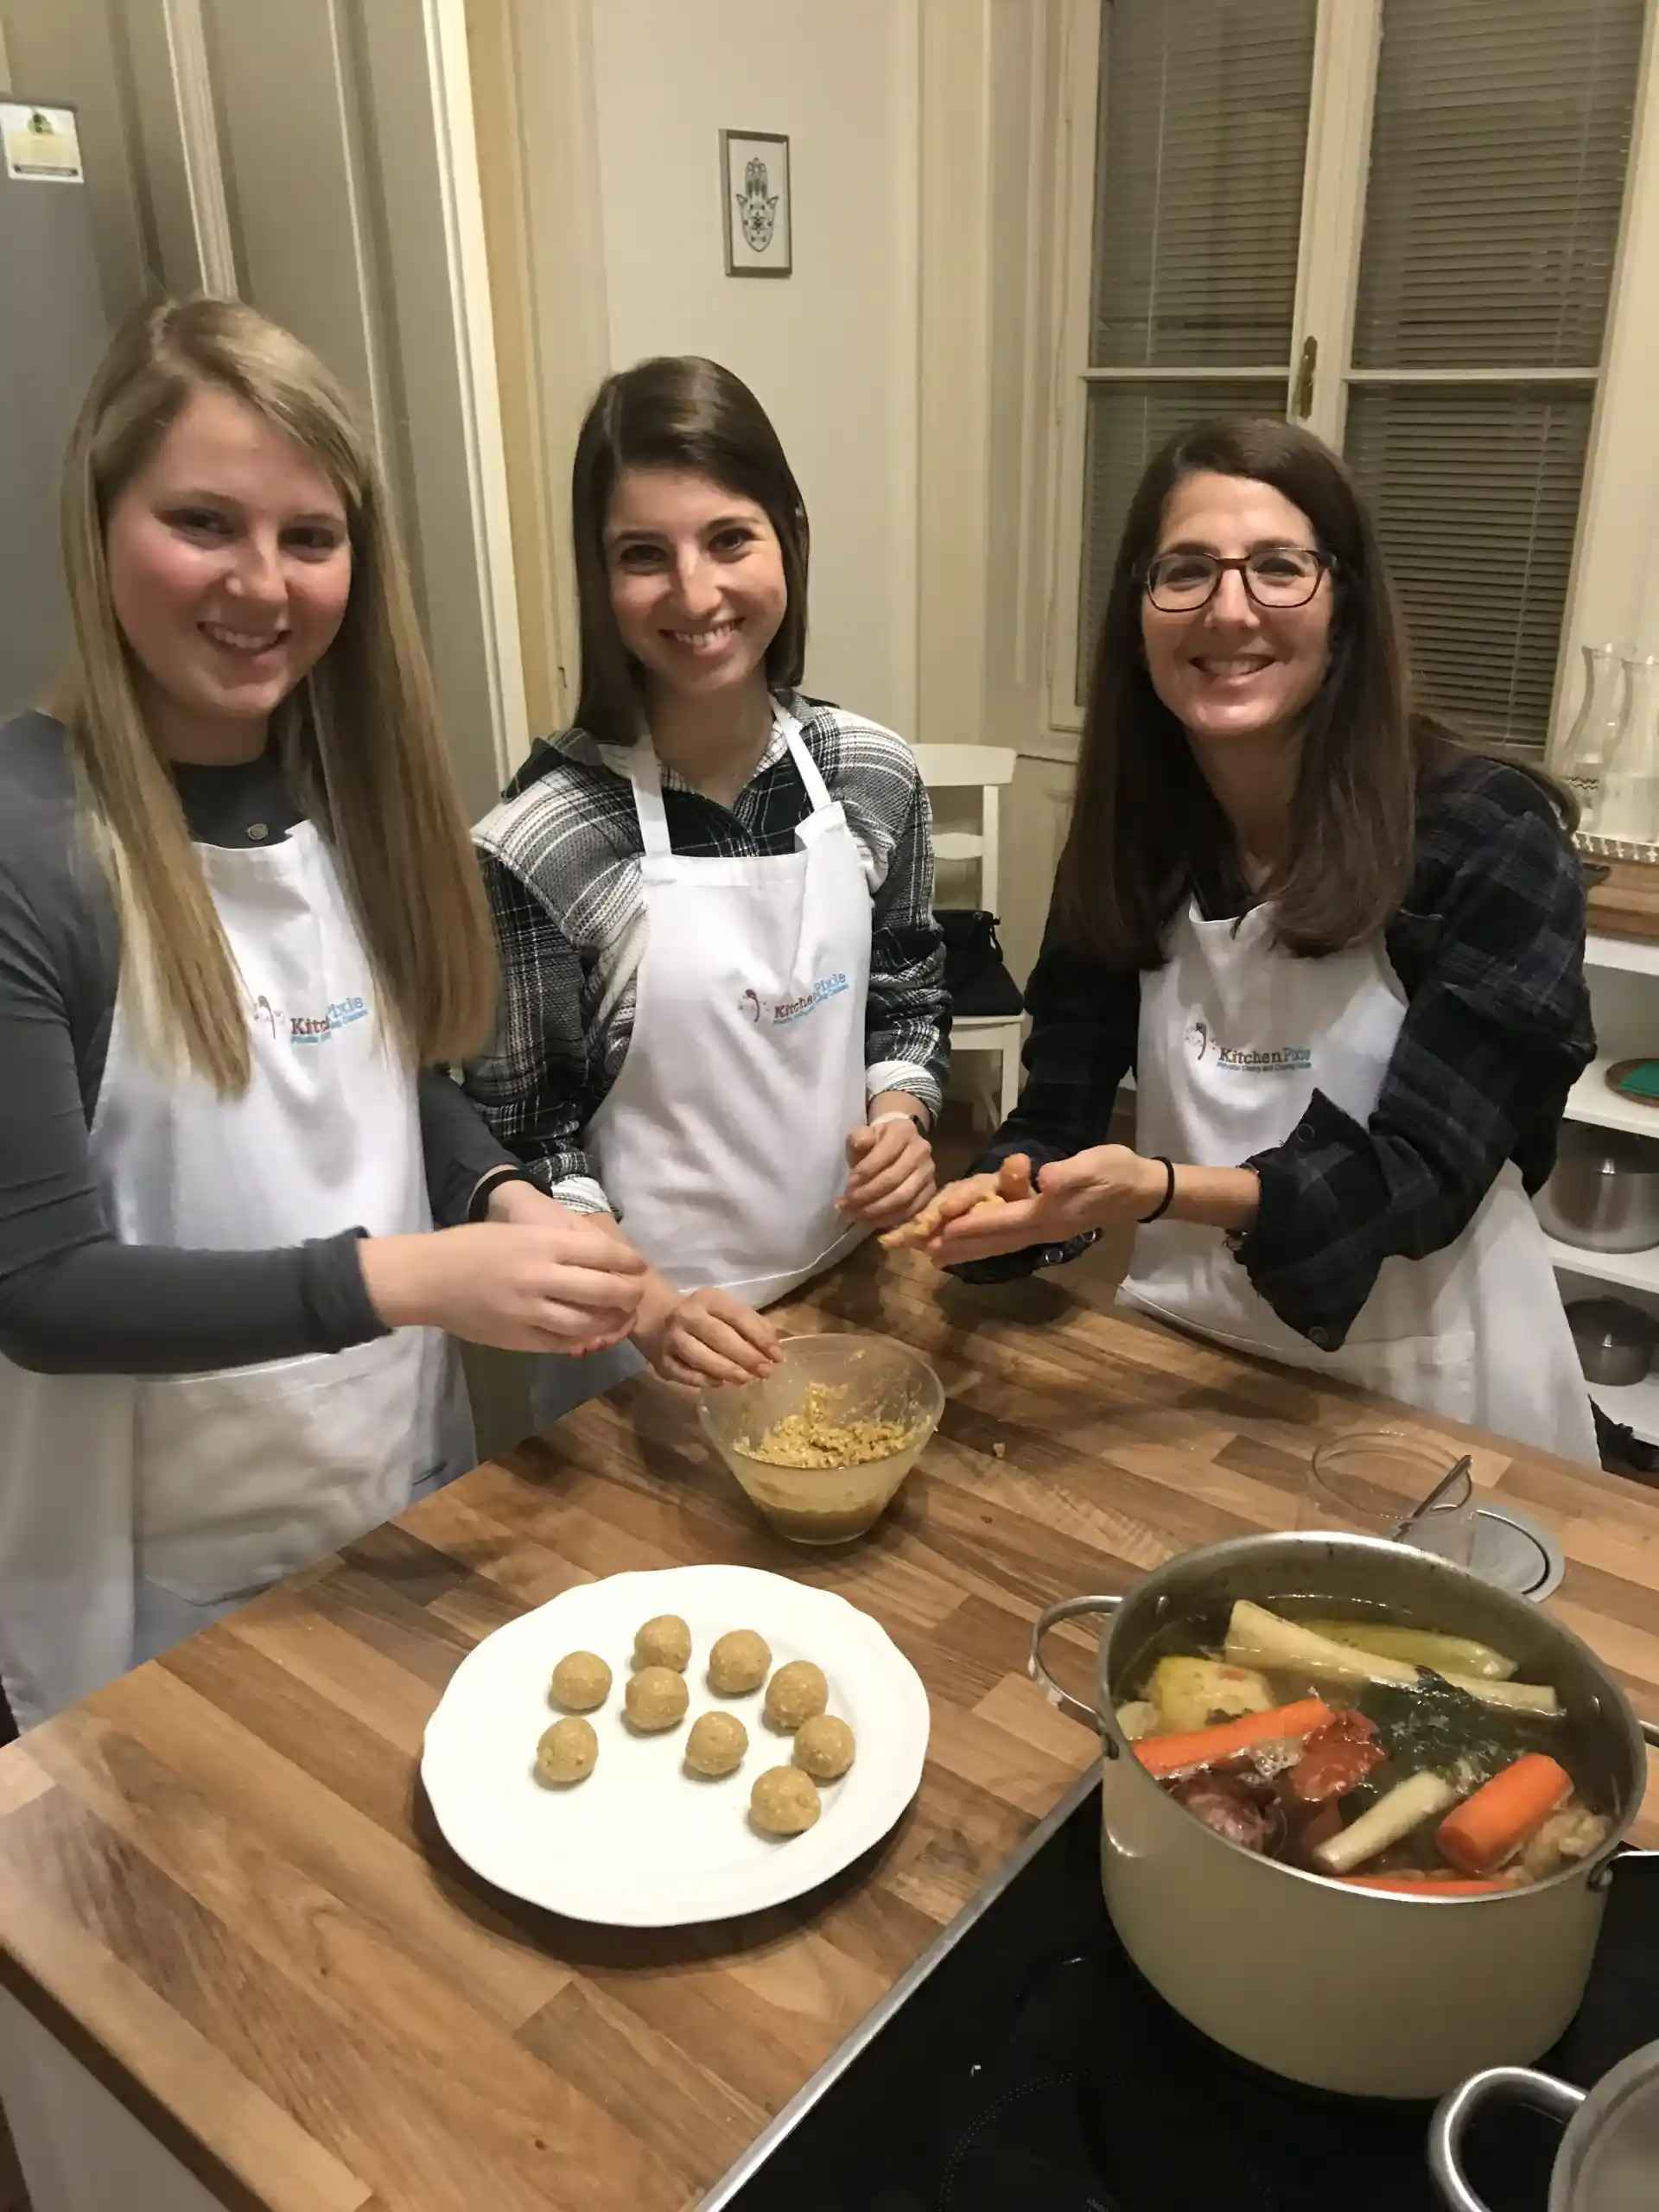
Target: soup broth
[[1368, 1745]]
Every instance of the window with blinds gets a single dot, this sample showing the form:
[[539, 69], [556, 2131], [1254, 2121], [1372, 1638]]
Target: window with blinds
[[1494, 180], [1202, 139], [1500, 144]]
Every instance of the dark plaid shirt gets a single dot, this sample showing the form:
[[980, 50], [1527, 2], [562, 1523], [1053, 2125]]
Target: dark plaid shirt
[[561, 862], [1489, 947]]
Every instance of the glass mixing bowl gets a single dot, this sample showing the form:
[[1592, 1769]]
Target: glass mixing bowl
[[845, 1380]]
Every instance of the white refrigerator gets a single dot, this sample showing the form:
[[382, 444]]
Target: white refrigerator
[[54, 329]]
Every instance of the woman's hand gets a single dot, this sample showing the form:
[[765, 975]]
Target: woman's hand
[[699, 1336], [1097, 1189], [892, 1177], [565, 1283]]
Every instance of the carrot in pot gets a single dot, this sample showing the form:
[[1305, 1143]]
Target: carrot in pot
[[1504, 1813], [1428, 1885], [1199, 1747]]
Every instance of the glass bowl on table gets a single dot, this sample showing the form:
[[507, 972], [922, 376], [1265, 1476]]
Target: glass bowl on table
[[1366, 1485], [821, 1445]]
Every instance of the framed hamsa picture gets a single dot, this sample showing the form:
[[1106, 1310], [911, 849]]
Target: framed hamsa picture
[[754, 183]]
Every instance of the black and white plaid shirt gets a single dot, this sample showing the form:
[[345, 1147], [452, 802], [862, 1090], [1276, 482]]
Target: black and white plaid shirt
[[561, 862], [1489, 947]]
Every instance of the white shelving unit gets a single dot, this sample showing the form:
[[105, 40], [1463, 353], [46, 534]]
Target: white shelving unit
[[1590, 1100], [1624, 978], [1605, 1270]]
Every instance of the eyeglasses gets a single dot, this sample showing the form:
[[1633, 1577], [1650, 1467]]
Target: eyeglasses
[[1275, 575]]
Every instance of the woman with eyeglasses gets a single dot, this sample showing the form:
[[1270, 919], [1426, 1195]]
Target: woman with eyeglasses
[[1341, 954]]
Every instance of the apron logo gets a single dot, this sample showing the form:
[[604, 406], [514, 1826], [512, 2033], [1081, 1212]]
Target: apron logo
[[1273, 1060], [827, 986], [310, 1028]]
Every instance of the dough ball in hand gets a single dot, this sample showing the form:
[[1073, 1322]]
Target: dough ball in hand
[[823, 1746], [656, 1698], [716, 1743], [567, 1752], [739, 1663], [1014, 1185], [784, 1801], [580, 1680], [794, 1694], [665, 1641]]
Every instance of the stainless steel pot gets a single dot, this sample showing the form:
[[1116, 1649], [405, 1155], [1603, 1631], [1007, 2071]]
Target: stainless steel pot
[[1359, 1991], [1602, 1192], [1615, 1339], [1608, 2159]]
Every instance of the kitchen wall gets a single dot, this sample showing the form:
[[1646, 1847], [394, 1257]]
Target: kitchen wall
[[327, 177], [832, 352]]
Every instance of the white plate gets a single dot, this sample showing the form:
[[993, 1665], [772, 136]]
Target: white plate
[[642, 1843]]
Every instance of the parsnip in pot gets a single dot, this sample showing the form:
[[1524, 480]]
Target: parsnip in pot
[[1256, 1637]]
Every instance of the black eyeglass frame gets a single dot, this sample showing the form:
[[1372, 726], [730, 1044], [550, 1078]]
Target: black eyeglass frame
[[1325, 565]]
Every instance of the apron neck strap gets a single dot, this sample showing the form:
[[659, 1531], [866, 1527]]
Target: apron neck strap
[[806, 767], [640, 764]]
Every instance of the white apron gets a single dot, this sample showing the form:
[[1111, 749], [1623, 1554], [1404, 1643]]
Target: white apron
[[133, 1509], [1235, 1037], [722, 1143]]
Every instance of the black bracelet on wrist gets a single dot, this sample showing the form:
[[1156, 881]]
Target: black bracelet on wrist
[[478, 1205], [1162, 1206]]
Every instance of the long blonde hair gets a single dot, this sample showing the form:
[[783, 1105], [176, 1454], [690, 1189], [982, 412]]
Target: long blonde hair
[[359, 737]]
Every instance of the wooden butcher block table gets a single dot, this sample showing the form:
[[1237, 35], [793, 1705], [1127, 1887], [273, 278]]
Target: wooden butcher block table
[[224, 1900]]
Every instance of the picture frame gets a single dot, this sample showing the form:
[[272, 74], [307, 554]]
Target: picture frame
[[755, 195]]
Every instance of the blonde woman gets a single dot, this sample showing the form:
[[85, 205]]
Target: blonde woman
[[238, 916]]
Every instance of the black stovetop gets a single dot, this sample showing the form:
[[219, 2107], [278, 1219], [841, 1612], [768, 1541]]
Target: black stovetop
[[1035, 2069]]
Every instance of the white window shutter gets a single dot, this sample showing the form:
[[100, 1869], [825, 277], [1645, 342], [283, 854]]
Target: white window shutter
[[1500, 146]]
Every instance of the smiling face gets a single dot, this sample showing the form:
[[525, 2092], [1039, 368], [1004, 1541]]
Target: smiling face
[[1233, 671], [696, 581], [230, 568]]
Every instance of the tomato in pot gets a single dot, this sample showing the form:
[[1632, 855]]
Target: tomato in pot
[[1335, 1760]]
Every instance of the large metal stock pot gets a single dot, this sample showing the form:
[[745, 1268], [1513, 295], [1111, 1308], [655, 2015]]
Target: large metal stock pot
[[1352, 1989]]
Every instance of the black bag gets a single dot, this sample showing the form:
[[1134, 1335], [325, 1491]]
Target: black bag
[[975, 974]]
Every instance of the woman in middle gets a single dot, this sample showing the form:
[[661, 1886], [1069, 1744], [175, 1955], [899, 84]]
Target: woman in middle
[[724, 1016]]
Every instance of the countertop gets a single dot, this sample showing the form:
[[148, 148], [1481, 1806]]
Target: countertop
[[1627, 902], [221, 1889]]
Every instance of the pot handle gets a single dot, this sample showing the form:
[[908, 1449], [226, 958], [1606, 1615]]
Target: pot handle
[[1452, 2114], [1070, 1608], [1604, 1869]]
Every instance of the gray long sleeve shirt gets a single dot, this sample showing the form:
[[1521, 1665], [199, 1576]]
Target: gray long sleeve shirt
[[72, 1299]]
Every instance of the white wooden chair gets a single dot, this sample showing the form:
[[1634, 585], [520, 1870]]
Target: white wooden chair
[[987, 769]]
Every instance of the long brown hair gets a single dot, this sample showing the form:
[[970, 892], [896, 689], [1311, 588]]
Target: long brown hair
[[1144, 824], [677, 411], [360, 736]]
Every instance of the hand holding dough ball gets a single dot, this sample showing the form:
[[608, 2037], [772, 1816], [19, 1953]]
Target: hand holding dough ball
[[824, 1747], [664, 1641], [739, 1663], [1012, 1187], [656, 1698], [784, 1801], [580, 1680], [567, 1752], [794, 1694], [716, 1743]]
